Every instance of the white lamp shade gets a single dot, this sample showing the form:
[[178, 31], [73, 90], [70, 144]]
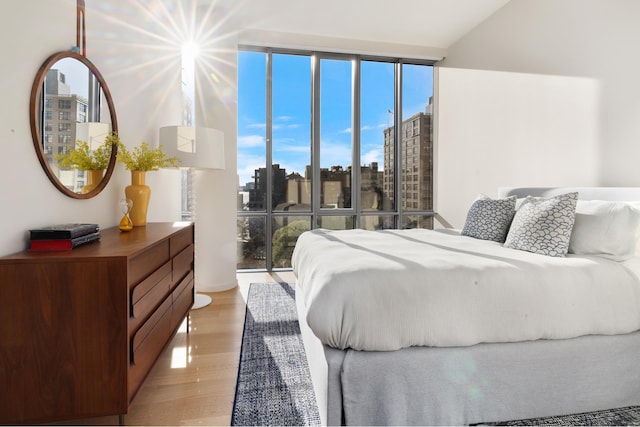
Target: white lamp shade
[[196, 147]]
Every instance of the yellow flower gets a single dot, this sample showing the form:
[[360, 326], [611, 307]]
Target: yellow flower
[[143, 158], [81, 157]]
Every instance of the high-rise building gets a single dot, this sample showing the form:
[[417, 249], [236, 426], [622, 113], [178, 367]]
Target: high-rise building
[[416, 162], [63, 111], [258, 193]]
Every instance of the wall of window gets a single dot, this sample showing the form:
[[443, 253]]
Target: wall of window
[[330, 141]]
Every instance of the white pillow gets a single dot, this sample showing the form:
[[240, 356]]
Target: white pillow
[[606, 229], [543, 226]]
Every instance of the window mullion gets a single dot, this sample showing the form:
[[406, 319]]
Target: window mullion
[[397, 135], [269, 161], [355, 141], [315, 139]]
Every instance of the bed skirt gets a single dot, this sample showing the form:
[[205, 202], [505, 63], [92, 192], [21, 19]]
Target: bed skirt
[[482, 383]]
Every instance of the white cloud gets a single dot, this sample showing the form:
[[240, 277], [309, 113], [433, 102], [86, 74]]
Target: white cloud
[[291, 126], [377, 129], [257, 126], [247, 166], [283, 147], [294, 165], [251, 141], [419, 107], [295, 160], [335, 154], [372, 156]]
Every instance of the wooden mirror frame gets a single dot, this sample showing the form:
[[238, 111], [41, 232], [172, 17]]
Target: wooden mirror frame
[[35, 114], [35, 106]]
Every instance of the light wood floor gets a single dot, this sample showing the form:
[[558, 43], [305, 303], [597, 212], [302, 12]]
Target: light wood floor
[[193, 382]]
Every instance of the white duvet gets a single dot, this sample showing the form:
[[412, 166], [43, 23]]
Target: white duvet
[[386, 290]]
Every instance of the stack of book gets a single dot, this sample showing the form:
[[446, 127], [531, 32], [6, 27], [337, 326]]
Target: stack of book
[[63, 237]]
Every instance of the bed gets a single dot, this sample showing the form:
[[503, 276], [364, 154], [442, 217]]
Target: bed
[[431, 327]]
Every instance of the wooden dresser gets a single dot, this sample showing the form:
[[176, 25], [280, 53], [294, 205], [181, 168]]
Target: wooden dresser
[[81, 329]]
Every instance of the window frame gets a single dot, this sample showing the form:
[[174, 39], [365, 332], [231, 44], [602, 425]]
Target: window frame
[[317, 212]]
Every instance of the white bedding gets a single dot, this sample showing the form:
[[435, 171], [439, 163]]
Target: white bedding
[[386, 290]]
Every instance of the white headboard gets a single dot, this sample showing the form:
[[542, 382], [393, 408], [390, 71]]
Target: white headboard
[[584, 193]]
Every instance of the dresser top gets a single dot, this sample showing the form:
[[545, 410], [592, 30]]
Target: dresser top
[[113, 243]]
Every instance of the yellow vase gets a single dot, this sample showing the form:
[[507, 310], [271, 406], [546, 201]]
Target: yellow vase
[[140, 194], [93, 179]]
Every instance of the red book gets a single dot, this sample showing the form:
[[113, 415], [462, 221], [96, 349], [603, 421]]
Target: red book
[[62, 244]]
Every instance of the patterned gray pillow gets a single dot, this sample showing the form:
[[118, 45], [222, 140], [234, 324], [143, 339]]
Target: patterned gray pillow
[[543, 226], [489, 219]]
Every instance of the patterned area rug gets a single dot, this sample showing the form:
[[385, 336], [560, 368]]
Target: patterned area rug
[[274, 383], [629, 416]]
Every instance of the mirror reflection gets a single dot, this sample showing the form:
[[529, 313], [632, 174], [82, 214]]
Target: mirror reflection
[[75, 116]]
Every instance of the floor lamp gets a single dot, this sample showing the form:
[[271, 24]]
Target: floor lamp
[[201, 150]]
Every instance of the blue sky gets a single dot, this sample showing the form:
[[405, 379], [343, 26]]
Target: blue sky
[[76, 75], [292, 110]]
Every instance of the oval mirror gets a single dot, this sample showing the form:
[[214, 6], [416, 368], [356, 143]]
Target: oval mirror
[[71, 109]]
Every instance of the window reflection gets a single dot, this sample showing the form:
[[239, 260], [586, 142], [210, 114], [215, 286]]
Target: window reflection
[[72, 111]]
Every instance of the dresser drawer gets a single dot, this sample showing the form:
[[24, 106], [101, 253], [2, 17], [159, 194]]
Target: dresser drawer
[[147, 345], [182, 263], [182, 300], [150, 292], [181, 241], [153, 334], [145, 263], [184, 283]]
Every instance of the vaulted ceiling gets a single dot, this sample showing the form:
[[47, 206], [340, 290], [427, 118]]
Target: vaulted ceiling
[[433, 23]]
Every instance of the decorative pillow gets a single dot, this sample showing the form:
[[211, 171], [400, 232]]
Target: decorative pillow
[[606, 229], [489, 219], [543, 226]]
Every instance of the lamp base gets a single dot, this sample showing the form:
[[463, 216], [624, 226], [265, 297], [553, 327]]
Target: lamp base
[[200, 300]]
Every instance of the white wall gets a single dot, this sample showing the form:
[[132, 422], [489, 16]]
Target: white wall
[[512, 129], [28, 198], [544, 92], [137, 48], [31, 31], [141, 63]]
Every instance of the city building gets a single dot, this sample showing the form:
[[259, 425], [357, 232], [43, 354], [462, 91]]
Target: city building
[[416, 160], [63, 111], [258, 193]]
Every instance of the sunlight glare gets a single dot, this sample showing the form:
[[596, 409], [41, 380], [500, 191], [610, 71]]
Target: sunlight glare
[[167, 36], [189, 51], [180, 357]]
